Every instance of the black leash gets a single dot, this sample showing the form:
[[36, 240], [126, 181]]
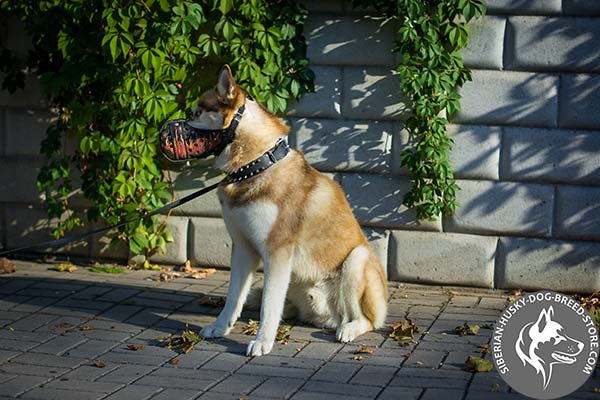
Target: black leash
[[74, 238]]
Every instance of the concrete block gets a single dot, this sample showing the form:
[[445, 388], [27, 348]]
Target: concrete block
[[376, 200], [533, 264], [476, 151], [209, 242], [18, 180], [442, 258], [578, 212], [326, 100], [24, 131], [187, 180], [521, 7], [29, 96], [29, 224], [580, 101], [345, 40], [177, 250], [509, 98], [553, 44], [342, 145], [584, 8], [101, 248], [486, 43], [2, 131], [373, 93], [544, 155], [489, 207], [379, 241]]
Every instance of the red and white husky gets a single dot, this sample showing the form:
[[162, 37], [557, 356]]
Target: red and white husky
[[297, 222]]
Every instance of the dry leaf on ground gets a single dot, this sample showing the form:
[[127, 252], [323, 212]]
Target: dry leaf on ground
[[212, 301], [86, 328], [64, 268], [478, 364], [251, 328], [363, 349], [467, 329], [201, 273], [358, 358], [135, 347], [184, 343], [283, 337], [99, 364], [174, 361], [403, 332], [6, 267]]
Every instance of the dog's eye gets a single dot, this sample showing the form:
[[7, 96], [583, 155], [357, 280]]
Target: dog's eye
[[558, 339]]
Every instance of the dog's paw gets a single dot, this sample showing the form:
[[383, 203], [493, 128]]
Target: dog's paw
[[350, 331], [214, 331], [259, 347]]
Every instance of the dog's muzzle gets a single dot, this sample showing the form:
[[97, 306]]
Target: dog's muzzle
[[180, 140]]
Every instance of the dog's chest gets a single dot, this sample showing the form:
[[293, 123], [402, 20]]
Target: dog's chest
[[254, 221]]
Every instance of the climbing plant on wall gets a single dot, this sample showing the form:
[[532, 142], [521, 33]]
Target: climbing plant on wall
[[430, 35], [114, 71]]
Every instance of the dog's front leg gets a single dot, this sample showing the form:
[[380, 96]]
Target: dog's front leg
[[278, 270], [244, 261]]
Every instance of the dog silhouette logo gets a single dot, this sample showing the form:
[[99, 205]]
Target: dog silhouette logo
[[545, 345]]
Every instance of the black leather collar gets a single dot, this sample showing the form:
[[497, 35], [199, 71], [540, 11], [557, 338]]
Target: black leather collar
[[274, 154]]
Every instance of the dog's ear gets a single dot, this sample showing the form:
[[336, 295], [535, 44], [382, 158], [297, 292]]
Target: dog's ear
[[226, 84], [544, 318]]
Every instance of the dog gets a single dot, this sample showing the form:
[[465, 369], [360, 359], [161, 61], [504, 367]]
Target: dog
[[293, 219], [543, 344]]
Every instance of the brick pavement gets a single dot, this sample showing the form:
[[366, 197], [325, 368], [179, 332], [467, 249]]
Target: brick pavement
[[45, 353]]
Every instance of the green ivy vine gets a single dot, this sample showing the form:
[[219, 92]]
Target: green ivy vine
[[115, 70], [430, 36]]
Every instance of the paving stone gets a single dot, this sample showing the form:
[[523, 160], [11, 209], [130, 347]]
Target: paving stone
[[326, 100], [14, 387], [496, 304], [28, 369], [585, 8], [346, 40], [19, 345], [341, 389], [287, 362], [372, 375], [373, 93], [59, 394], [75, 385], [376, 200], [509, 98], [32, 322], [553, 44], [321, 351], [502, 208], [431, 378], [486, 43], [195, 358], [58, 345], [578, 213], [275, 371], [425, 359], [336, 372], [126, 373], [34, 304], [88, 372], [175, 382], [468, 259], [120, 312], [579, 101], [209, 243], [277, 388], [342, 145], [139, 392], [449, 394], [118, 295], [176, 251], [535, 264], [544, 7], [395, 393], [132, 358], [47, 360], [239, 384], [491, 382], [544, 155], [90, 349], [302, 395]]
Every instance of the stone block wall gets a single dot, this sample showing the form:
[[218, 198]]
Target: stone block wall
[[526, 153]]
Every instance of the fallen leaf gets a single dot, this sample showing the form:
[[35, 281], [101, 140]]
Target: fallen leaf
[[517, 292], [135, 347], [64, 268], [511, 299], [495, 387], [363, 349], [596, 390], [167, 276], [202, 273], [6, 267], [419, 362], [251, 328], [357, 358], [301, 341], [478, 364], [186, 268], [467, 329], [453, 292], [298, 349], [99, 364], [212, 301], [403, 332], [86, 328], [283, 336], [485, 348], [63, 325], [174, 361], [103, 269], [186, 342], [487, 326]]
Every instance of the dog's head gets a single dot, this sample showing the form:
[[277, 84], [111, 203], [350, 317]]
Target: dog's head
[[544, 343], [257, 131]]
